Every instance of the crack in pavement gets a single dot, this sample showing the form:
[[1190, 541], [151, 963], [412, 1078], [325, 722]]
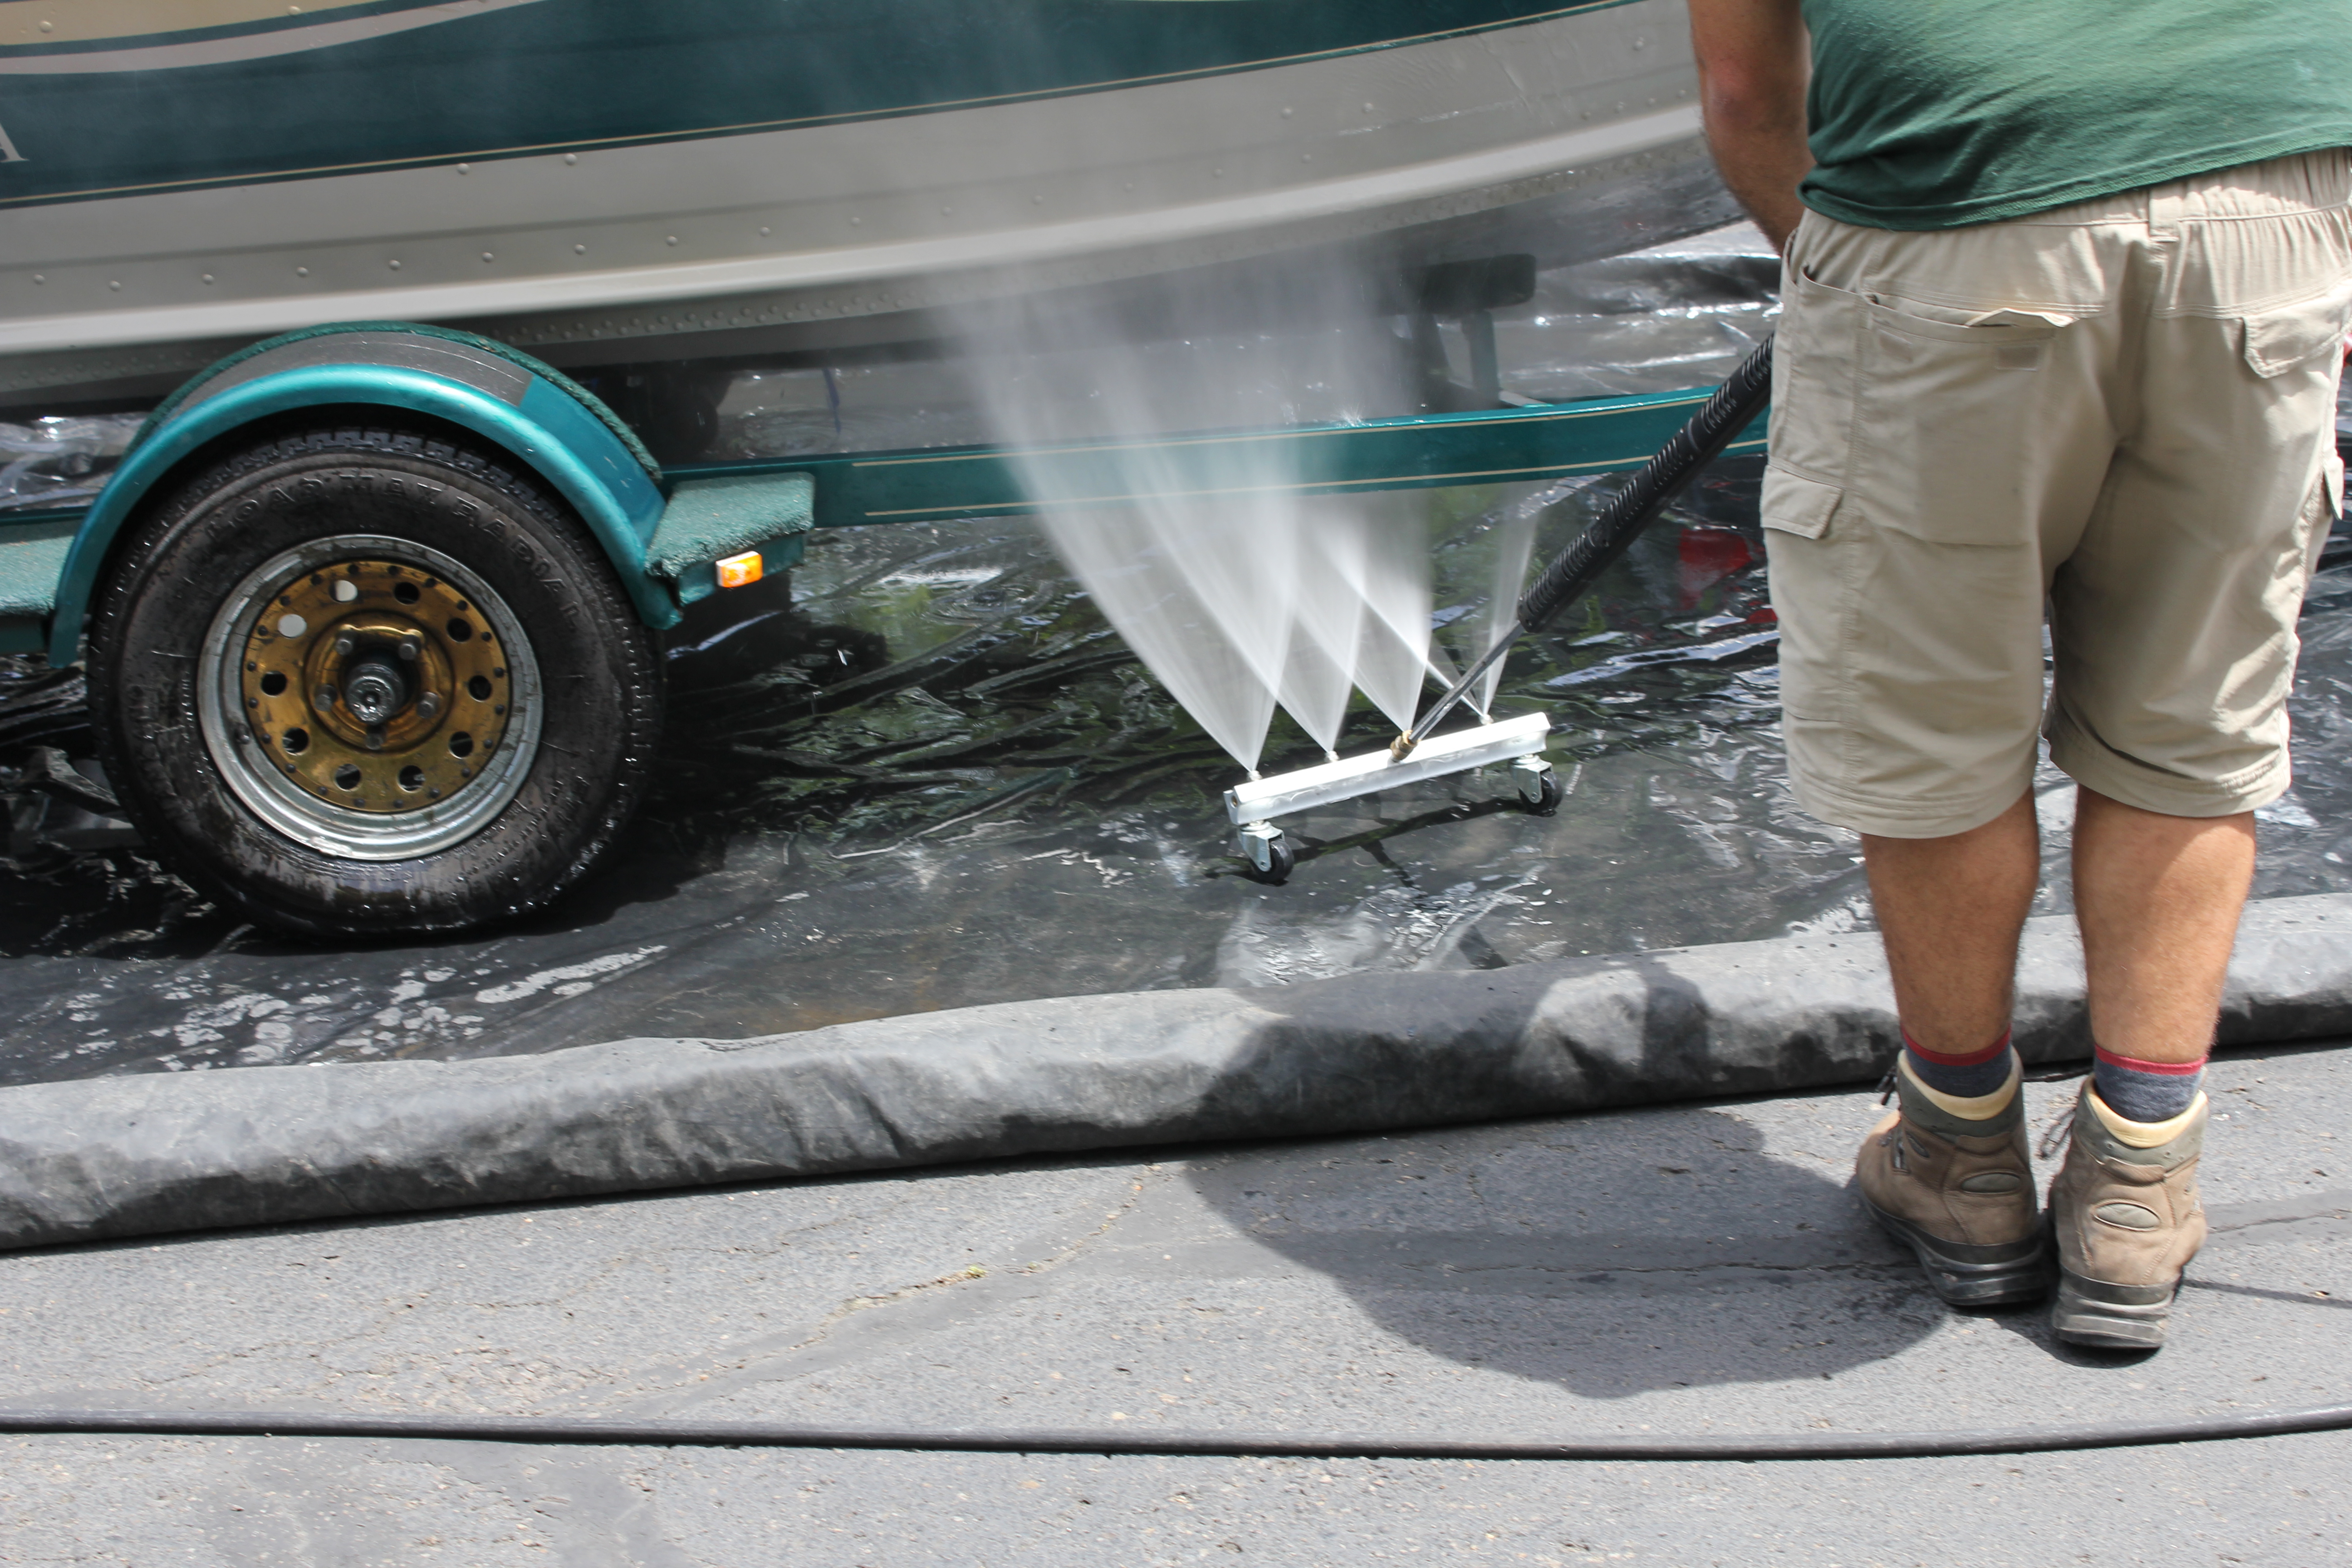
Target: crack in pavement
[[2317, 1215], [2296, 1298]]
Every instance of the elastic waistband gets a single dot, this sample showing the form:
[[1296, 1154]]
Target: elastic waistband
[[2300, 182]]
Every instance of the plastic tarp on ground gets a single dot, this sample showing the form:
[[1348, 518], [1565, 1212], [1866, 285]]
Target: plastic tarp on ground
[[152, 1152], [921, 772]]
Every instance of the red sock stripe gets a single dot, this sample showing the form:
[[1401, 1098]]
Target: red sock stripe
[[1966, 1059], [2133, 1064]]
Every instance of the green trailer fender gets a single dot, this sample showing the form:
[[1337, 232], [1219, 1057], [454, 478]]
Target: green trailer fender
[[540, 417]]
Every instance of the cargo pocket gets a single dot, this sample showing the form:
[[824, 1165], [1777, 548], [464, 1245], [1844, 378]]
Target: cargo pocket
[[1797, 504], [2278, 341], [1815, 360], [1809, 593]]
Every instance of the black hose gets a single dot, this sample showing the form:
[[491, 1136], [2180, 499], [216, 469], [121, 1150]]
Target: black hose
[[660, 1434], [1699, 443], [1718, 422]]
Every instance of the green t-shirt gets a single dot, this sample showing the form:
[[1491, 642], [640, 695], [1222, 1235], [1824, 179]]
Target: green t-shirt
[[1936, 113]]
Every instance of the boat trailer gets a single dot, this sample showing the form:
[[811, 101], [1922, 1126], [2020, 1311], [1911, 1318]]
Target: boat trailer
[[290, 757]]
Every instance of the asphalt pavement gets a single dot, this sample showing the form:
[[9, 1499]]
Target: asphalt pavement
[[1693, 1268]]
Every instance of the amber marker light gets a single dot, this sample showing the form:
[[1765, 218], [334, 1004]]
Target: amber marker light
[[738, 570]]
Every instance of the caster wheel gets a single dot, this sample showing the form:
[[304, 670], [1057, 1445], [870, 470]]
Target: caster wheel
[[1547, 797], [1540, 791], [1266, 856]]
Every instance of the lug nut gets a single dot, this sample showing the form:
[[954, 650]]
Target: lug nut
[[430, 704], [408, 646], [326, 698], [344, 644], [376, 739]]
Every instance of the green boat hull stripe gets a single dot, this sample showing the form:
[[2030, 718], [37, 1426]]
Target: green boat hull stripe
[[608, 73]]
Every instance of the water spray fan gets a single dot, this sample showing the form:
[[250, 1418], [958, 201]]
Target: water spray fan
[[1420, 753]]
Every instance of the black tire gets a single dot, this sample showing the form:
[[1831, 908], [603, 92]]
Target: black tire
[[526, 817], [1550, 793], [1281, 861]]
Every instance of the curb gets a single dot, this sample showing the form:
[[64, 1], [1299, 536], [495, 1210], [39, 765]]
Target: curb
[[142, 1155]]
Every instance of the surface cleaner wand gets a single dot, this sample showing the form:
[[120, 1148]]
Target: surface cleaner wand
[[1633, 508], [1410, 758]]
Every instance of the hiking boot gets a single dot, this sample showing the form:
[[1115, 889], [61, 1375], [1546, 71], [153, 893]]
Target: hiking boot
[[2128, 1222], [1961, 1194]]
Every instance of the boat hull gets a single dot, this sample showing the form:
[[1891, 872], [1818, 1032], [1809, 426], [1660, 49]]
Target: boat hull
[[600, 180]]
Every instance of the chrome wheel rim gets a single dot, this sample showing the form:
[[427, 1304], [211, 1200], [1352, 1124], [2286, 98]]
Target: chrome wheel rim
[[369, 698]]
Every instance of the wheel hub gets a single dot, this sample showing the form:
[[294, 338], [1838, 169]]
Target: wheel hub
[[373, 690], [375, 686]]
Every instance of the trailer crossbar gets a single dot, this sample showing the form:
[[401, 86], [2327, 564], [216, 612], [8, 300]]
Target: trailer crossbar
[[1499, 447]]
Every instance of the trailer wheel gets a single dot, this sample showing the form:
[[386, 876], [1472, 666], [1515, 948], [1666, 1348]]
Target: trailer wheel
[[364, 681]]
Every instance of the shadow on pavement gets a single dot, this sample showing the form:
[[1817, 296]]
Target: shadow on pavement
[[1611, 1256], [1658, 1245]]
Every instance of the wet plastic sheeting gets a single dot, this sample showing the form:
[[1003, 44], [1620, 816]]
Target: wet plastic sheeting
[[930, 776], [1680, 314], [61, 461], [922, 775]]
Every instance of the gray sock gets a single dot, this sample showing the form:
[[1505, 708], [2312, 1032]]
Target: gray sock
[[2146, 1091]]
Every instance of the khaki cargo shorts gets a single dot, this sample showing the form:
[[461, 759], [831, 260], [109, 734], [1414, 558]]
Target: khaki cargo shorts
[[2121, 410]]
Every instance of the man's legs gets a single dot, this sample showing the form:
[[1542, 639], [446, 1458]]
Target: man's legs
[[2157, 897], [1949, 1173], [1949, 910]]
